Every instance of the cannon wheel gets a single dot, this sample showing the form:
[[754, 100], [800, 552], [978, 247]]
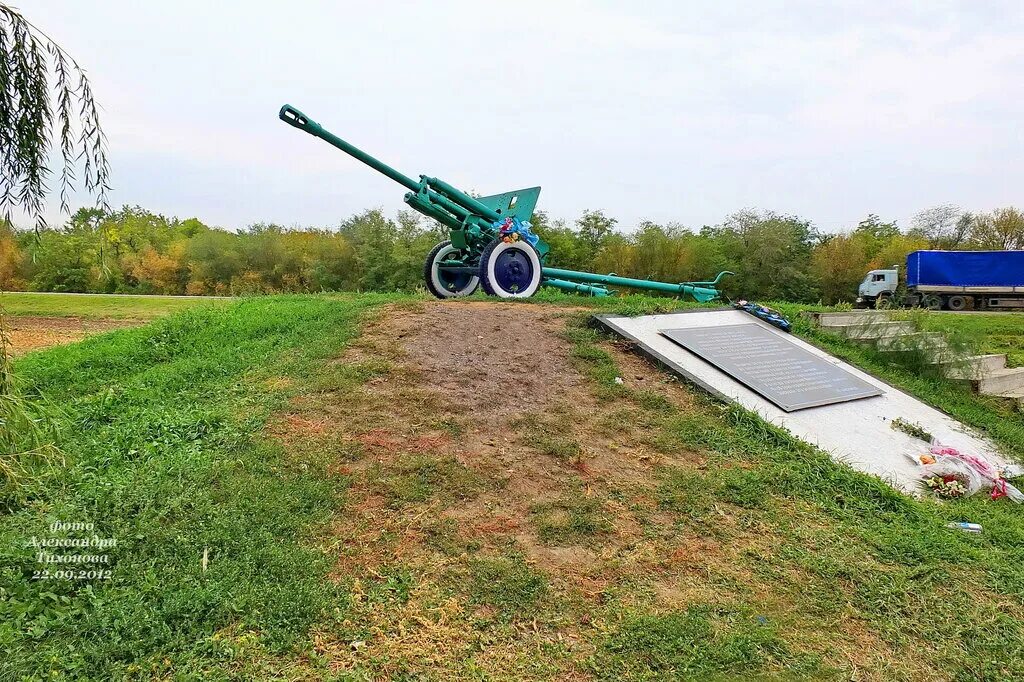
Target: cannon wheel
[[447, 284], [510, 269]]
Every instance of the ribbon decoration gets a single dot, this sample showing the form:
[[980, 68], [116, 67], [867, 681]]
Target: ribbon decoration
[[512, 229]]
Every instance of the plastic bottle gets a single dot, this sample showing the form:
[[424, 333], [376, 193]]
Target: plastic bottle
[[965, 527]]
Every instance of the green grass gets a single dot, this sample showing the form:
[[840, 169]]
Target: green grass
[[993, 333], [508, 584], [549, 433], [737, 552], [162, 435], [699, 641], [555, 446], [575, 520], [417, 478], [98, 305]]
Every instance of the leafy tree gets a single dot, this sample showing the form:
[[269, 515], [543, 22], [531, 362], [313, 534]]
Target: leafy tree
[[133, 228], [594, 227], [894, 252], [945, 226], [214, 260], [134, 250], [566, 249], [32, 66], [329, 260], [266, 260], [372, 235], [388, 254], [159, 273], [770, 254], [63, 261], [191, 227], [12, 258], [839, 263], [662, 252], [874, 234], [1003, 229], [618, 255]]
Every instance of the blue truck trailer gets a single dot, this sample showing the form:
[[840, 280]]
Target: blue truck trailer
[[951, 280]]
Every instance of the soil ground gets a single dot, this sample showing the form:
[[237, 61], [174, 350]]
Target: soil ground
[[28, 333]]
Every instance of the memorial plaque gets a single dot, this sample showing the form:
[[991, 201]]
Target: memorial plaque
[[769, 363]]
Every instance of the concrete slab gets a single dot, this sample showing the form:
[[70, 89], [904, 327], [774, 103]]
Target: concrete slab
[[930, 342], [858, 433], [974, 366], [1002, 381], [851, 317], [873, 330]]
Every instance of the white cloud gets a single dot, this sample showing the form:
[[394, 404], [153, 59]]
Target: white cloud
[[683, 111]]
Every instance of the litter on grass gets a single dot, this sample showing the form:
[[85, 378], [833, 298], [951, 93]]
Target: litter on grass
[[965, 526]]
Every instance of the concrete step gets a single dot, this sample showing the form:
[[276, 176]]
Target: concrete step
[[930, 342], [973, 367], [873, 329], [1017, 395], [847, 318], [1001, 381]]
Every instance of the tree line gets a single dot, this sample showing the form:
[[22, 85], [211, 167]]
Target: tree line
[[774, 256]]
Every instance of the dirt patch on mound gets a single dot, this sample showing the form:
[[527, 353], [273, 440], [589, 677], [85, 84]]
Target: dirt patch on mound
[[503, 380], [492, 360], [33, 333], [475, 435]]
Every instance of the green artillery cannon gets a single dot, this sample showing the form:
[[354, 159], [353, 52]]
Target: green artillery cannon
[[491, 242]]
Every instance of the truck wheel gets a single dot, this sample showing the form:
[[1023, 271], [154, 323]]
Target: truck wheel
[[447, 284], [932, 302], [960, 302], [510, 269], [883, 301]]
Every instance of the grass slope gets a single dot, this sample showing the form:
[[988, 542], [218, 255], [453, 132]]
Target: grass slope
[[97, 305], [842, 547], [162, 435], [992, 332], [711, 545]]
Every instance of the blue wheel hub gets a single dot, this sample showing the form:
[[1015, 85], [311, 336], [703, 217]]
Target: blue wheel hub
[[513, 270]]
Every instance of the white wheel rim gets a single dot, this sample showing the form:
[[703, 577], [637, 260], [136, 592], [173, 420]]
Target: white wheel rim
[[439, 286], [531, 253]]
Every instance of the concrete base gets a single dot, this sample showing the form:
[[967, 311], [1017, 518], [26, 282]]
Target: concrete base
[[858, 433]]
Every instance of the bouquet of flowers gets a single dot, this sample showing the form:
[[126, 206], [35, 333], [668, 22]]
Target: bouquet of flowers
[[947, 485], [950, 473]]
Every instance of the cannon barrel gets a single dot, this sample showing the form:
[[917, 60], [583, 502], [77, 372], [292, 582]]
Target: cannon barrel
[[700, 293], [430, 196], [296, 118], [462, 198]]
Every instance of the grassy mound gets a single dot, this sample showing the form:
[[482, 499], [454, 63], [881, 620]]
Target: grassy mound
[[302, 487]]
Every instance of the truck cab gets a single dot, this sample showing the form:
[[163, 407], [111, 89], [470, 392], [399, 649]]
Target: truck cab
[[877, 284]]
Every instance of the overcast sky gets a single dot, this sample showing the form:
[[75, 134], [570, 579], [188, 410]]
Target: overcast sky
[[648, 110]]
